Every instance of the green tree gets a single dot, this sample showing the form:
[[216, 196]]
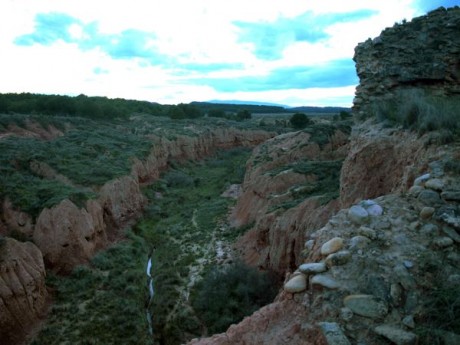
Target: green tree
[[300, 120], [176, 113], [216, 113], [243, 115], [227, 295]]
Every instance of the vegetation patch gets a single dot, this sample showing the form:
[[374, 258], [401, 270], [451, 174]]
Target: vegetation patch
[[325, 185], [103, 303], [227, 294], [417, 110]]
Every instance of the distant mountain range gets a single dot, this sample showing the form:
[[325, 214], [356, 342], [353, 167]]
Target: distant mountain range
[[265, 107]]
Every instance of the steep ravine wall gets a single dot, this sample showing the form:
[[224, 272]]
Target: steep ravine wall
[[274, 178], [66, 235]]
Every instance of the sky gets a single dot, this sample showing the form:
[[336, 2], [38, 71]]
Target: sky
[[289, 52]]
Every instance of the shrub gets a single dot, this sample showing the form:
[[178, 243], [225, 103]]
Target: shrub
[[417, 110], [227, 295], [300, 120]]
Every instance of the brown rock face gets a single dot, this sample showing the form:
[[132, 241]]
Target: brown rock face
[[121, 200], [22, 289], [281, 322], [68, 236], [382, 161], [276, 242], [280, 172]]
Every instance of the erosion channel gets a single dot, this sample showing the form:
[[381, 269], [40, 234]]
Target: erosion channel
[[185, 221]]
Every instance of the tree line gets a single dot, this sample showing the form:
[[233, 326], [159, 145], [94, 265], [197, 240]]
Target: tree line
[[107, 108]]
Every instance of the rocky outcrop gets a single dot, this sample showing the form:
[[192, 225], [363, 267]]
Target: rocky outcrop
[[22, 289], [68, 235], [278, 323], [376, 278], [283, 195], [422, 54]]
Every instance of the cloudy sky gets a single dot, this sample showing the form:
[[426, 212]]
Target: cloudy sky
[[291, 52]]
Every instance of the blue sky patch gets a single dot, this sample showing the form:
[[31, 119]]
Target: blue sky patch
[[49, 28], [128, 44], [271, 38], [332, 74]]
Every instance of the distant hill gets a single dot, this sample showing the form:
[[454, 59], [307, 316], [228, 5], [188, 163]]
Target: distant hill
[[307, 109], [263, 108]]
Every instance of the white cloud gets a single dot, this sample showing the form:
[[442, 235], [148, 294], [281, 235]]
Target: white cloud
[[180, 32]]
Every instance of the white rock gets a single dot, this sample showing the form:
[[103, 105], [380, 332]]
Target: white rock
[[396, 335], [332, 246], [313, 267], [296, 284], [358, 214], [419, 181], [375, 210], [325, 281], [366, 305]]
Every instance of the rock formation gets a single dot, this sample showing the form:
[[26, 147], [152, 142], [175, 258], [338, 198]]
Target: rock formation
[[22, 289], [280, 175], [421, 54], [68, 235]]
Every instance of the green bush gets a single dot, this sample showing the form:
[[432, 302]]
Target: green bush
[[226, 295], [300, 120], [417, 110]]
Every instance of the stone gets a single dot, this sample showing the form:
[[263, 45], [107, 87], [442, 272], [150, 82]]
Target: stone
[[366, 305], [309, 244], [359, 242], [396, 335], [404, 277], [368, 232], [358, 214], [420, 181], [451, 233], [408, 264], [427, 212], [408, 321], [415, 191], [429, 197], [296, 284], [435, 184], [313, 267], [332, 246], [346, 314], [451, 195], [333, 333], [396, 294], [429, 230], [443, 242], [338, 259], [374, 210], [451, 220], [325, 281]]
